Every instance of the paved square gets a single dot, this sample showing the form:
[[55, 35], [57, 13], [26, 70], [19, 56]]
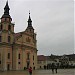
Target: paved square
[[41, 72]]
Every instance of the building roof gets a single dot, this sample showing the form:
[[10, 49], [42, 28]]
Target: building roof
[[44, 58], [41, 58], [53, 57], [17, 34], [71, 57]]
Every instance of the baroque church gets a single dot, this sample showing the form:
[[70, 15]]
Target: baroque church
[[18, 51]]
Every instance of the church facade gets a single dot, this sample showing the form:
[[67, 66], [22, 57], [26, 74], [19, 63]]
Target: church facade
[[17, 50]]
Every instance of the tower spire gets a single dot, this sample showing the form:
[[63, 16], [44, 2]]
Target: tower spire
[[6, 11], [29, 21], [30, 27]]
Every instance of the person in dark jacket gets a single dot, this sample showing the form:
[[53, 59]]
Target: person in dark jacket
[[56, 68], [52, 67]]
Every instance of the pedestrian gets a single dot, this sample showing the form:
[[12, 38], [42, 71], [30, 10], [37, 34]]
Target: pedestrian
[[30, 70], [56, 68], [52, 70], [52, 67]]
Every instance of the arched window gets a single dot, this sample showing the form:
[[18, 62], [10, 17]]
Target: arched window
[[0, 38], [19, 56], [9, 27], [8, 55], [1, 27], [33, 57], [0, 58], [27, 56], [9, 38]]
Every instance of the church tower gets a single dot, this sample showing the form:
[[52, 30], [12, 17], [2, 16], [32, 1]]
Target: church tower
[[31, 39], [17, 50], [6, 39]]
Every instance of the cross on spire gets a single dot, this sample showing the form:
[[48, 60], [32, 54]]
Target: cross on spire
[[29, 12]]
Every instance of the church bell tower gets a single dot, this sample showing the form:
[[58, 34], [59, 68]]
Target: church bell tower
[[6, 39]]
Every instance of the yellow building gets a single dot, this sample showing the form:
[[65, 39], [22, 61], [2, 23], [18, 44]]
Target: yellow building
[[41, 62], [17, 50]]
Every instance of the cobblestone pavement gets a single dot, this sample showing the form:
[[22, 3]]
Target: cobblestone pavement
[[41, 72]]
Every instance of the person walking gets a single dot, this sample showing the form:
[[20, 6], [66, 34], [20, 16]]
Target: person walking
[[30, 70], [56, 68], [52, 67]]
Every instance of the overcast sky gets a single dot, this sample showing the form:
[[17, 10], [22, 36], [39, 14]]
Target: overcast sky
[[53, 21]]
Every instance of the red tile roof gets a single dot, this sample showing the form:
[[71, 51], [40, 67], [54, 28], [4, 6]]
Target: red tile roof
[[41, 58], [17, 34]]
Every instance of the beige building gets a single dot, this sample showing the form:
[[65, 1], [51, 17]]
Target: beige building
[[41, 61], [44, 62], [17, 50]]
